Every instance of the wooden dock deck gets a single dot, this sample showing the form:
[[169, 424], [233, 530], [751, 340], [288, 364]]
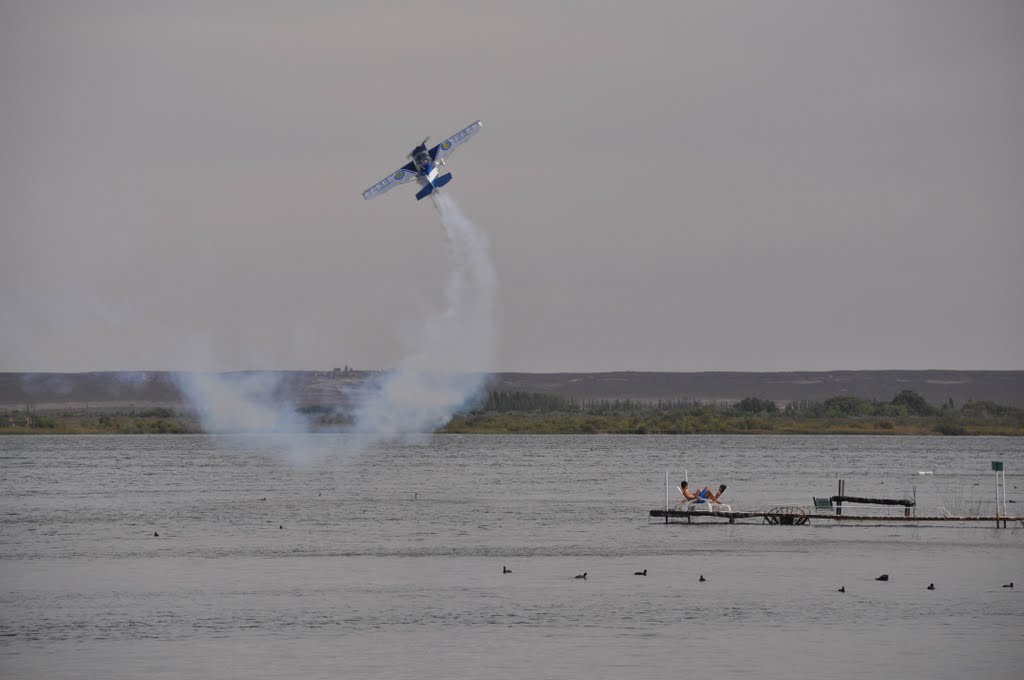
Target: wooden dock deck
[[798, 516], [857, 509]]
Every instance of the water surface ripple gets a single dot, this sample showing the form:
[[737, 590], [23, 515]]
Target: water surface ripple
[[329, 558]]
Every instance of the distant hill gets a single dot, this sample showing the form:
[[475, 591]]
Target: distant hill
[[157, 388], [1003, 387]]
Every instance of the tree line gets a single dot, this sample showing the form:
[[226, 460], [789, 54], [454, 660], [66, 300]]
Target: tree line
[[906, 413], [539, 413]]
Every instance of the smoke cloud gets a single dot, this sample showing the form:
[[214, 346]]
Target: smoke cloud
[[240, 403], [456, 351], [445, 374]]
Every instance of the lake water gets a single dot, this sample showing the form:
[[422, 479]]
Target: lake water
[[332, 557]]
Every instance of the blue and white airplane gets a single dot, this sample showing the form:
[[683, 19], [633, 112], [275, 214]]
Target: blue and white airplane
[[423, 166]]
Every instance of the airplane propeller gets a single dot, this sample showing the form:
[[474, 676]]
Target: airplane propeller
[[413, 152]]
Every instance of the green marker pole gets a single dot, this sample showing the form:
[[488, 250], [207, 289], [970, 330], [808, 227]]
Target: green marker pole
[[997, 467]]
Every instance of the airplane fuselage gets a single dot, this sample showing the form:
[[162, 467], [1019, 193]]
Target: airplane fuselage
[[424, 165]]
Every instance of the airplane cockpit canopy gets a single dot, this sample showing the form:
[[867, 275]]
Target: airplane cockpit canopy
[[421, 159]]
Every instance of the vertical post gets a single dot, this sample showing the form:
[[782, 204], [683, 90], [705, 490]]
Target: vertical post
[[997, 498], [666, 496], [997, 467], [1005, 513], [841, 493], [999, 506]]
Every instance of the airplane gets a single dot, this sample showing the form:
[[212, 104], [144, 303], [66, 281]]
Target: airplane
[[423, 166]]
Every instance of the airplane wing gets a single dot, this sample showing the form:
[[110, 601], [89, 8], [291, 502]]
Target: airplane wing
[[445, 148], [406, 173]]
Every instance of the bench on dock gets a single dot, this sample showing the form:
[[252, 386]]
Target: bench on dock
[[822, 504], [856, 505]]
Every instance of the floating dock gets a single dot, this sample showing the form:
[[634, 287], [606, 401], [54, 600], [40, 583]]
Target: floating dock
[[801, 516], [832, 508]]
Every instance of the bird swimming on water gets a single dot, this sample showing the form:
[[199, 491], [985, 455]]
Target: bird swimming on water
[[155, 534], [931, 586], [842, 589], [702, 579], [1009, 585], [582, 576], [505, 570], [883, 577], [640, 573]]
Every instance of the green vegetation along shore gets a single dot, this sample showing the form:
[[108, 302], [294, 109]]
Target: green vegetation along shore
[[906, 413], [99, 421], [532, 413]]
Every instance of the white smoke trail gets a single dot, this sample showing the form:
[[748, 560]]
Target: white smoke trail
[[251, 412], [240, 403], [446, 374], [457, 350]]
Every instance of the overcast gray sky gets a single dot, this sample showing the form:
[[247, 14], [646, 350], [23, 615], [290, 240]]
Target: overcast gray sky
[[665, 185]]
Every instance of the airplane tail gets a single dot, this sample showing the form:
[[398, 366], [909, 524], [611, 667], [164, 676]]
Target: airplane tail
[[429, 189]]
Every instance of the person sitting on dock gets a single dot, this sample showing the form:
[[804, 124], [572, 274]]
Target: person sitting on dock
[[704, 494]]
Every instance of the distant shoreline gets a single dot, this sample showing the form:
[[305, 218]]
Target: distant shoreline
[[141, 389], [795, 428], [908, 413], [836, 402]]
